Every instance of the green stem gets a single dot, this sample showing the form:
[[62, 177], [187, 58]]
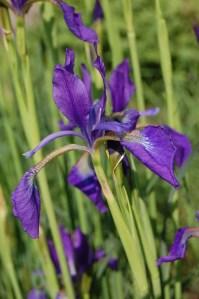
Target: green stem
[[129, 240], [49, 271], [113, 36], [128, 15], [166, 65]]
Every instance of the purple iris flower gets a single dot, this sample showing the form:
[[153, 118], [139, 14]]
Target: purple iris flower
[[158, 147], [196, 31], [79, 254], [36, 294], [179, 246], [98, 13]]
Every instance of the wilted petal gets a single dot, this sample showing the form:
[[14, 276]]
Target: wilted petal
[[26, 203], [84, 254], [179, 246], [98, 13], [126, 122], [50, 138], [36, 294], [86, 78], [196, 31], [71, 96], [76, 25], [83, 177], [154, 147], [182, 144], [121, 86]]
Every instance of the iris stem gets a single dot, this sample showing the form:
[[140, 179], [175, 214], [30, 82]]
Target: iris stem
[[172, 111], [128, 239], [128, 16], [166, 65], [113, 35]]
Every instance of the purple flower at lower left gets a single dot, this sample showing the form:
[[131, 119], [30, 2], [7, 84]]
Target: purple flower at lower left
[[79, 254]]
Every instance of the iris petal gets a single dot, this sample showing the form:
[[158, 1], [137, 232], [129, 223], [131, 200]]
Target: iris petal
[[126, 122], [84, 254], [121, 86], [154, 147], [71, 96], [179, 246], [182, 144], [75, 24], [26, 204], [83, 177], [50, 138]]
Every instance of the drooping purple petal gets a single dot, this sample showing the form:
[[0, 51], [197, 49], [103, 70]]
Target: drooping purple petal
[[84, 254], [98, 13], [71, 96], [126, 122], [121, 86], [196, 31], [50, 138], [154, 147], [179, 246], [26, 203], [86, 78], [197, 215], [83, 177], [36, 294], [182, 144], [75, 24]]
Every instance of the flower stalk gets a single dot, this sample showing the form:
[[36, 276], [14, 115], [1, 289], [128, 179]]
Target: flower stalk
[[128, 238], [128, 16]]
